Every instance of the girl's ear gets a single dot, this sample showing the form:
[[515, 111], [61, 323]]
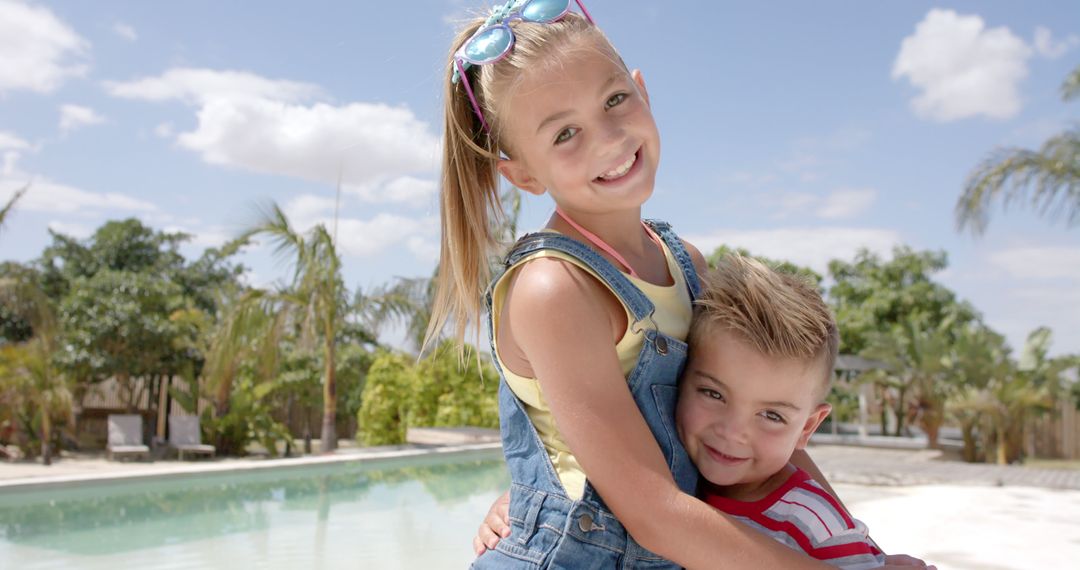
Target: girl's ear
[[639, 79], [518, 175], [812, 423]]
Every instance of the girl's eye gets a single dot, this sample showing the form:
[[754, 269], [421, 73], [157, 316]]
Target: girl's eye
[[565, 135], [614, 100], [773, 417]]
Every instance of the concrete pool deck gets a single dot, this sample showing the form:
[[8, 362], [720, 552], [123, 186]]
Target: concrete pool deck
[[840, 463]]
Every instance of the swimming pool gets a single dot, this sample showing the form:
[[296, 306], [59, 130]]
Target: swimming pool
[[414, 513]]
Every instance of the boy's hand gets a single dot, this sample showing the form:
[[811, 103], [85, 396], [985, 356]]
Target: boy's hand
[[905, 561], [496, 525]]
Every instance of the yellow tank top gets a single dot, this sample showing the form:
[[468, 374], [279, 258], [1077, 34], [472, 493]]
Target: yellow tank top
[[672, 317]]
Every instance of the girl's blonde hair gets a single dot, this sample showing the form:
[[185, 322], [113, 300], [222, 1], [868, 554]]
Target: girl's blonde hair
[[470, 207]]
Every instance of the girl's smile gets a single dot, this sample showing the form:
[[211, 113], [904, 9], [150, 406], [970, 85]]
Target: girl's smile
[[620, 172]]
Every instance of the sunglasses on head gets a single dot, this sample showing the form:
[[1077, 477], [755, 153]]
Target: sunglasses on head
[[495, 39]]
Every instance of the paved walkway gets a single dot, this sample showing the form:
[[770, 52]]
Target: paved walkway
[[840, 463], [869, 466]]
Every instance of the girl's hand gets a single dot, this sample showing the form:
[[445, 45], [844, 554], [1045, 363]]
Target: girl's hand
[[905, 561], [495, 527]]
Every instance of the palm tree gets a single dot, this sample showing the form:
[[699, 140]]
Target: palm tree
[[408, 300], [1000, 395], [249, 331], [6, 210], [914, 355], [30, 379], [1051, 174], [316, 295]]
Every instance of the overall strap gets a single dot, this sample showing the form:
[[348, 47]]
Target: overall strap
[[663, 229], [631, 297]]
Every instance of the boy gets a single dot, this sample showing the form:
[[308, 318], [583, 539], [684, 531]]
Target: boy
[[762, 349]]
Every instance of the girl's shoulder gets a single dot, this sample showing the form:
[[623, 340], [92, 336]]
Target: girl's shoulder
[[552, 279], [695, 256]]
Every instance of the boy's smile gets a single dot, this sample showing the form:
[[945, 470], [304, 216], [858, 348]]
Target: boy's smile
[[741, 414]]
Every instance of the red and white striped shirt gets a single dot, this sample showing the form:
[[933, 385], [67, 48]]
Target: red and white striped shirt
[[804, 516]]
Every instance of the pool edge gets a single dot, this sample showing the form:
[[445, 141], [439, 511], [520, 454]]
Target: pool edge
[[186, 470]]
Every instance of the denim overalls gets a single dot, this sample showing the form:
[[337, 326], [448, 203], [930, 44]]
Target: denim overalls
[[548, 529]]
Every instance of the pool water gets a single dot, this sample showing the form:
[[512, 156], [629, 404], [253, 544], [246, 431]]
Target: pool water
[[416, 513]]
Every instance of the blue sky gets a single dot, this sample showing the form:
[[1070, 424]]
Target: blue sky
[[799, 130]]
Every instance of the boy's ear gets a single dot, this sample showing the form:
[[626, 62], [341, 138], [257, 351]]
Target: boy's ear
[[639, 79], [518, 175], [812, 423]]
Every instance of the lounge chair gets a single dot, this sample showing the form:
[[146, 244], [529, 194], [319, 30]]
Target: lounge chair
[[185, 436], [125, 436]]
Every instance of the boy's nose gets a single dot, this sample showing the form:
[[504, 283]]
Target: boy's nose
[[731, 428]]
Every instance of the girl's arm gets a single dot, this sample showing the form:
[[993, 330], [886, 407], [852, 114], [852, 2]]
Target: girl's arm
[[558, 318]]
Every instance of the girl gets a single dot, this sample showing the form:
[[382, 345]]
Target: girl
[[587, 318]]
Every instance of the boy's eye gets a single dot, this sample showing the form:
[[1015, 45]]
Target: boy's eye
[[712, 394], [614, 100], [773, 417], [565, 135]]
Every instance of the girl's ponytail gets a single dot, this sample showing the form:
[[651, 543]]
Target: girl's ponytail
[[469, 207]]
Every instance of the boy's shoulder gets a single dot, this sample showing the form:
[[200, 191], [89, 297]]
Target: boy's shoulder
[[800, 503]]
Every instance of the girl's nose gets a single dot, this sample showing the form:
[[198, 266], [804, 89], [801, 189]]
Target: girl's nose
[[612, 135]]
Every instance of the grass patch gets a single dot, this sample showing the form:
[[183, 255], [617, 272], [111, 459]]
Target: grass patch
[[1064, 464]]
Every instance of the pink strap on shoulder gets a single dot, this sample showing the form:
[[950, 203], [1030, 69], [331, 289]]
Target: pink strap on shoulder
[[595, 240]]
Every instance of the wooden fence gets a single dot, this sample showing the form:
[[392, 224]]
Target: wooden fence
[[1057, 435]]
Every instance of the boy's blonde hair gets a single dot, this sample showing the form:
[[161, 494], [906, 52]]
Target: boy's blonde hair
[[780, 315], [470, 207]]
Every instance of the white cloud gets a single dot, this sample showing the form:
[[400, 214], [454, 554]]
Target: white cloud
[[204, 237], [75, 116], [364, 142], [846, 203], [1040, 262], [306, 210], [11, 162], [1048, 48], [11, 141], [125, 31], [249, 122], [790, 204], [39, 52], [205, 85], [811, 247], [79, 231], [365, 237], [164, 130], [371, 237], [424, 249], [405, 189], [961, 68], [47, 196], [840, 204]]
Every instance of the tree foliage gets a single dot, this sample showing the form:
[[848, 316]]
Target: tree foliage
[[871, 295], [442, 390]]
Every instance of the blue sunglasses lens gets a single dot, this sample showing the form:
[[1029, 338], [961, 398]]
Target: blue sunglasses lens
[[544, 11], [488, 45]]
